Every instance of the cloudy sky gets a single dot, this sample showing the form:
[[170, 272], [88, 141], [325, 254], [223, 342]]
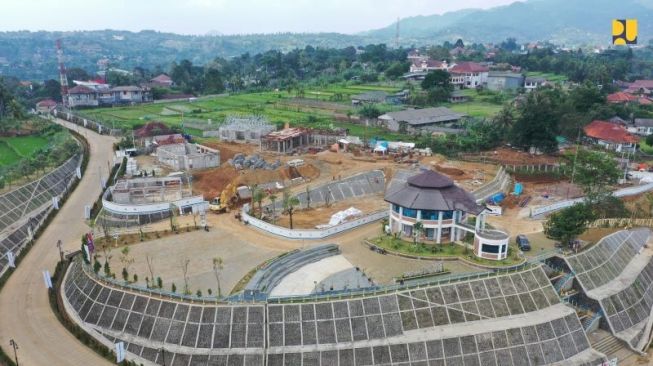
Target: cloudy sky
[[222, 16]]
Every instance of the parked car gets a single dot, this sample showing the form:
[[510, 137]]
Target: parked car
[[523, 243]]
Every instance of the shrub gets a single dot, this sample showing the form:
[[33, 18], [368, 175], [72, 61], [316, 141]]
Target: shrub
[[159, 283], [173, 287], [125, 274], [135, 277]]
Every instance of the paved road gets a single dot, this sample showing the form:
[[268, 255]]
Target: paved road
[[25, 314]]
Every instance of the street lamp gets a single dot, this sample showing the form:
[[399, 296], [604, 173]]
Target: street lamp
[[15, 346], [60, 250], [163, 355]]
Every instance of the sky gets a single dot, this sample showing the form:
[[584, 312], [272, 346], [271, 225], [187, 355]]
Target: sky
[[221, 16]]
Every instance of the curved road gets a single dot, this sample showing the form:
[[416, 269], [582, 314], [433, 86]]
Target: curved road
[[25, 313]]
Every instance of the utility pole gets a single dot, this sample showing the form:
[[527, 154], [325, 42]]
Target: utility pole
[[163, 355], [573, 169], [15, 346]]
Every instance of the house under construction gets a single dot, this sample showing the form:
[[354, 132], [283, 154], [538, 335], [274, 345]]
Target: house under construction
[[286, 140], [245, 129]]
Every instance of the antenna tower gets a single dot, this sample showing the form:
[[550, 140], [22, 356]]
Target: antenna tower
[[397, 34], [63, 79]]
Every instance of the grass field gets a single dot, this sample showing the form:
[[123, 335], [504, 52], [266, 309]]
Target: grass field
[[555, 78], [316, 109], [12, 149], [476, 109]]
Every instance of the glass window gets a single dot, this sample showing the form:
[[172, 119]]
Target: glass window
[[409, 212], [490, 248], [429, 215], [447, 215], [395, 208]]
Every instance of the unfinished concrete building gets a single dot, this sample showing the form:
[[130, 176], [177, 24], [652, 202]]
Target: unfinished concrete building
[[149, 190], [286, 140], [188, 156], [245, 129]]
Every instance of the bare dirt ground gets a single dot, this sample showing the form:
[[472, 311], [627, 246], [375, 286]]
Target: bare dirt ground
[[308, 219], [508, 156]]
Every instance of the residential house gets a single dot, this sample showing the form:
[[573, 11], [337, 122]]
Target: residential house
[[641, 126], [611, 136], [503, 80], [416, 55], [532, 83], [426, 65], [420, 120], [127, 94], [162, 80], [46, 106], [468, 75], [640, 87], [627, 98], [458, 96], [82, 96]]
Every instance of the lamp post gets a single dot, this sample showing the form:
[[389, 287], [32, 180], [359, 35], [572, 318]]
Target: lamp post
[[60, 250], [163, 355], [13, 344]]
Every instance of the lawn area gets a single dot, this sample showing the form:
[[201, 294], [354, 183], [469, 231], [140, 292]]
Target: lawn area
[[646, 148], [393, 244], [476, 109], [7, 155], [12, 149], [273, 105], [555, 78]]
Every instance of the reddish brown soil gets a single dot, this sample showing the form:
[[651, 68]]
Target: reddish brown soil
[[509, 156]]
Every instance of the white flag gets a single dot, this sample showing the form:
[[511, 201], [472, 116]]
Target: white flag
[[55, 202], [120, 352], [47, 279], [88, 255], [78, 172], [11, 260]]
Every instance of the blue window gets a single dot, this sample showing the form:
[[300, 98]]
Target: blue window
[[491, 248], [410, 212], [429, 215], [447, 215], [395, 208]]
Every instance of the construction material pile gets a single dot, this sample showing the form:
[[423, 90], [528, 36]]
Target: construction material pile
[[240, 161]]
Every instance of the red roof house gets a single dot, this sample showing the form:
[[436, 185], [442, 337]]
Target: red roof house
[[621, 97], [46, 105], [162, 80], [468, 67], [611, 135]]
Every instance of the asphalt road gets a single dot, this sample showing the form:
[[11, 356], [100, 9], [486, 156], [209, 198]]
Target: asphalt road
[[25, 313]]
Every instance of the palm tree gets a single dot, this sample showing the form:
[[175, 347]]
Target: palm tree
[[289, 203], [258, 195], [418, 228], [218, 265], [273, 197]]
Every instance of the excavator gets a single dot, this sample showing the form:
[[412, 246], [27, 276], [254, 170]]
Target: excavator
[[225, 201]]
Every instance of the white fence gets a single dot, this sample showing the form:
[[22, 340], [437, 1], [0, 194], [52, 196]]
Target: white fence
[[309, 233], [144, 209], [630, 191]]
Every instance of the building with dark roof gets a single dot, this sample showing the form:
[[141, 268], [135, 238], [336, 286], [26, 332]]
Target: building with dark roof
[[443, 208], [504, 80], [420, 119]]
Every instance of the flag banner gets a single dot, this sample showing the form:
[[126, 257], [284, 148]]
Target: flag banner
[[87, 253], [55, 202], [11, 260], [120, 352], [47, 279], [78, 172]]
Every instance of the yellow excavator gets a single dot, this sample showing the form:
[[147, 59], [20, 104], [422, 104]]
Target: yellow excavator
[[226, 199]]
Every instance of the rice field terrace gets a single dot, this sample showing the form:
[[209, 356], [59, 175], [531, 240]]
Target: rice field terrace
[[13, 149]]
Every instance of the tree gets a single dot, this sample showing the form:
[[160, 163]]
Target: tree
[[369, 111], [308, 197], [436, 78], [289, 203], [418, 228], [396, 69], [184, 268], [594, 172], [273, 198], [173, 287], [125, 259], [125, 274], [159, 282], [218, 266], [459, 43], [258, 196], [505, 119], [538, 122], [568, 223]]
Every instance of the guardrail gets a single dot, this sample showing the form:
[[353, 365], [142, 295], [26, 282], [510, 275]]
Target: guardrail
[[624, 192], [309, 233]]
